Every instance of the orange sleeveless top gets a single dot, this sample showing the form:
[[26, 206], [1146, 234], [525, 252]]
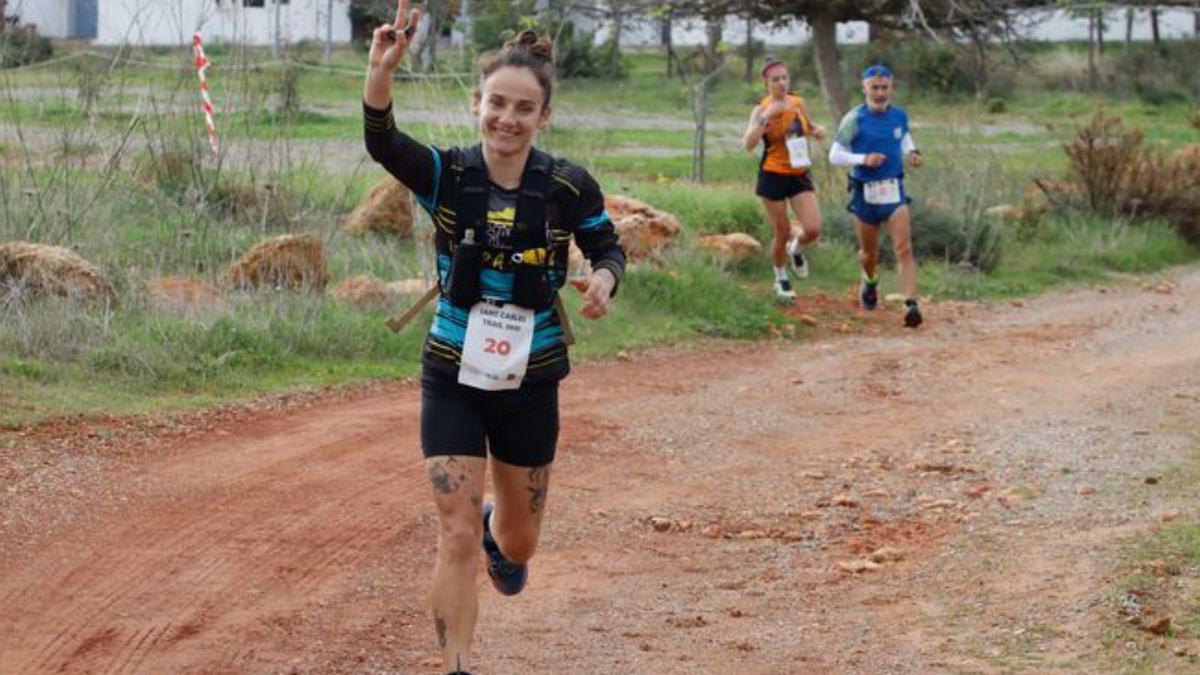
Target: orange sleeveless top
[[793, 120]]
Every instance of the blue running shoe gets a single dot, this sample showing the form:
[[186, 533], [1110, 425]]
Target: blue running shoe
[[868, 293], [507, 577]]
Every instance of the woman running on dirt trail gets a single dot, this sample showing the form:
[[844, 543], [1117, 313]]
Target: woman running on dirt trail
[[874, 139], [503, 213], [782, 124]]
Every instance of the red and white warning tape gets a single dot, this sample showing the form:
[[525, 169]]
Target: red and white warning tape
[[202, 64]]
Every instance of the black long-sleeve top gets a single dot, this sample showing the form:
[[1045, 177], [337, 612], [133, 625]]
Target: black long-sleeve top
[[574, 208]]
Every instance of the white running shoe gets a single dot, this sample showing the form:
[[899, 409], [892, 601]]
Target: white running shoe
[[795, 253], [784, 293]]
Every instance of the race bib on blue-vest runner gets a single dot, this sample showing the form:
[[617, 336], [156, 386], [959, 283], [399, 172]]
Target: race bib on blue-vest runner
[[797, 147], [496, 349], [882, 191]]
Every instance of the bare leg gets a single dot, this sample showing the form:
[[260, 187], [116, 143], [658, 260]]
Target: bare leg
[[868, 247], [808, 211], [782, 229], [458, 493], [899, 226], [516, 523]]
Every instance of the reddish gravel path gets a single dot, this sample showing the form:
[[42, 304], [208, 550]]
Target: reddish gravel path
[[299, 538]]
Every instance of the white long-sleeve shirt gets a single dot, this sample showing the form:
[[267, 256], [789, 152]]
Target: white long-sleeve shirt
[[840, 155]]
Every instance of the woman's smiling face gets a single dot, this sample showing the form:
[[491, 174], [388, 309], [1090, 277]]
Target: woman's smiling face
[[511, 110]]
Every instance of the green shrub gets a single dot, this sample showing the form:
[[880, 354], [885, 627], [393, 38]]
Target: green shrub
[[287, 90], [365, 15], [91, 79], [23, 45], [923, 65], [576, 57], [1149, 74], [704, 297], [956, 238], [705, 209], [938, 67]]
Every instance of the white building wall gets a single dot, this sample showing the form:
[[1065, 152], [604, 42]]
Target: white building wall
[[172, 22], [52, 17], [1058, 25], [690, 32], [1048, 26]]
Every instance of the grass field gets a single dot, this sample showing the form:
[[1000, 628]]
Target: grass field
[[108, 158]]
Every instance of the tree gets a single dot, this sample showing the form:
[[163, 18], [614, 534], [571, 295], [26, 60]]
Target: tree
[[435, 15], [822, 16], [714, 62], [749, 75]]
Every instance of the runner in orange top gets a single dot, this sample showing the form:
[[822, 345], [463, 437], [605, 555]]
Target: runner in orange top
[[781, 123]]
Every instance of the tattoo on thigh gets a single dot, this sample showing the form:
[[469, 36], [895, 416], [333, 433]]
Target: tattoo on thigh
[[538, 485], [444, 482], [440, 624]]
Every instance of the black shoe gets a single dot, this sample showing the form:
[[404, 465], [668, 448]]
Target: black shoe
[[912, 315], [868, 294], [508, 577]]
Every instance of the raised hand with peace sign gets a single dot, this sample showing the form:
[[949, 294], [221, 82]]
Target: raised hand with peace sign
[[388, 44], [390, 40]]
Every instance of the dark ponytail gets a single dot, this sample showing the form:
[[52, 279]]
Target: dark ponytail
[[525, 50]]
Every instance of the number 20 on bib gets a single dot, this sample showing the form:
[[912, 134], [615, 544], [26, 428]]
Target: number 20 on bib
[[496, 349]]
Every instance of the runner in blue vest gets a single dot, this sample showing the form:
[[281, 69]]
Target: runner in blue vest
[[874, 140], [504, 213]]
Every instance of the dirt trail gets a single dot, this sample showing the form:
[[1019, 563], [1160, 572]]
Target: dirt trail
[[300, 540]]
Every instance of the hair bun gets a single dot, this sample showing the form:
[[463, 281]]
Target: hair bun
[[538, 46]]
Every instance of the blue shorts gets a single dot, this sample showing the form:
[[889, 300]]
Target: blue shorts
[[873, 214]]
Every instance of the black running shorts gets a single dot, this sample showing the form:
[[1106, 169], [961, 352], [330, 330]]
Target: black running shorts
[[517, 426], [780, 186]]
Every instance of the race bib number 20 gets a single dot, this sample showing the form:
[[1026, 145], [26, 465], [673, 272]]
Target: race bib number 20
[[496, 349]]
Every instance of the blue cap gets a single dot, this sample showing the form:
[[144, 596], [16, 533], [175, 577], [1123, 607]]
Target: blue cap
[[877, 70]]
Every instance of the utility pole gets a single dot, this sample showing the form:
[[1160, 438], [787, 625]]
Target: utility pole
[[275, 42], [329, 32]]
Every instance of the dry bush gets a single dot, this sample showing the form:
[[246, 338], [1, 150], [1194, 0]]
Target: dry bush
[[644, 230], [1116, 176], [292, 262], [387, 208], [1101, 156], [183, 295], [407, 287], [38, 270], [733, 246], [254, 204], [171, 170], [363, 291], [1167, 186]]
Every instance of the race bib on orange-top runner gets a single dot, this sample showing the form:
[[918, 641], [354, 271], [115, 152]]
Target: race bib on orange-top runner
[[882, 191], [797, 147], [496, 349]]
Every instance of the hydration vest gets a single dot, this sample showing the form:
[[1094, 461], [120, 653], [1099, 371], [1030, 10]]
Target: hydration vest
[[529, 257]]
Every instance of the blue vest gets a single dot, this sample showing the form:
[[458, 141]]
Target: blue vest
[[879, 132]]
